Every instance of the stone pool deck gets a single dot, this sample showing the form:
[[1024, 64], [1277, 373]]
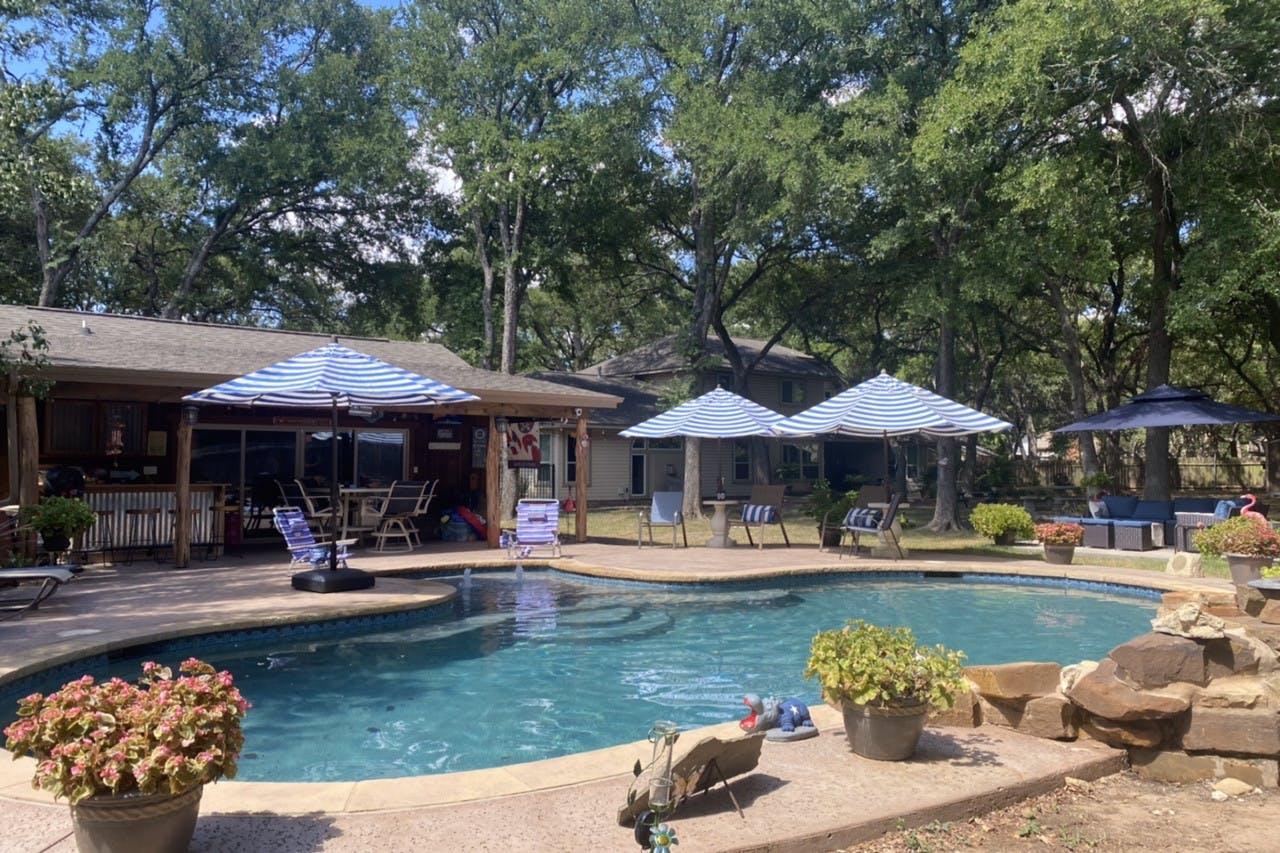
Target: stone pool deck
[[809, 796]]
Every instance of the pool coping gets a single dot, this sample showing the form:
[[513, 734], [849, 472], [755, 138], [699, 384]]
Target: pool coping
[[398, 793]]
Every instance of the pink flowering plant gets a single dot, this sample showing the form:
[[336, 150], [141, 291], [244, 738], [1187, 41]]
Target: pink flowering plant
[[1059, 533], [161, 735]]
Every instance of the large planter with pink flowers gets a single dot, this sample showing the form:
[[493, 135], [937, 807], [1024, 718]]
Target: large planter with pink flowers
[[133, 759]]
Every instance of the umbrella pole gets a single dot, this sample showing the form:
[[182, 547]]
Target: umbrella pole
[[333, 486], [888, 480]]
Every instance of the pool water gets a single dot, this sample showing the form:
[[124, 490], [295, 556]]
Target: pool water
[[540, 664]]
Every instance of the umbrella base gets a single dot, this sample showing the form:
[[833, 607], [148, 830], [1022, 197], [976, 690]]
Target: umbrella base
[[337, 580]]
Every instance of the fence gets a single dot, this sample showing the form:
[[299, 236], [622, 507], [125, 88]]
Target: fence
[[536, 483], [1190, 473]]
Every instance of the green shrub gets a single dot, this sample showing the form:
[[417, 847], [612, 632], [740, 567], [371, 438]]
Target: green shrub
[[59, 517], [995, 520], [866, 664], [1239, 535], [826, 503]]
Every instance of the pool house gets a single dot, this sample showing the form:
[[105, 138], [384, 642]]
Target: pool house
[[115, 413]]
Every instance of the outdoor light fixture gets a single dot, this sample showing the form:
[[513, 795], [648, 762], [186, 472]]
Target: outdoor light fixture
[[500, 424], [191, 415]]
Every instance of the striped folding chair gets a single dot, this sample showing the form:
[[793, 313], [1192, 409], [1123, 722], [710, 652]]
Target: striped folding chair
[[763, 507], [860, 521], [537, 525], [304, 548]]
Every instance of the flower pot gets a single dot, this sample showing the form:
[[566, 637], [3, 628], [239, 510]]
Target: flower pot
[[1245, 568], [55, 541], [1008, 537], [1059, 555], [158, 823], [884, 732], [830, 538]]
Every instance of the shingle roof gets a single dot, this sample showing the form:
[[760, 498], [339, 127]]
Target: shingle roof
[[663, 356], [88, 346], [639, 401]]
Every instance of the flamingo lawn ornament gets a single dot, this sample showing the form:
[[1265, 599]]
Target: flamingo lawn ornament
[[1248, 511]]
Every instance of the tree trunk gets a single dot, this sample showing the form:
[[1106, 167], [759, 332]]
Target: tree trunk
[[489, 344], [1070, 354], [944, 510], [196, 263], [692, 478], [1157, 484]]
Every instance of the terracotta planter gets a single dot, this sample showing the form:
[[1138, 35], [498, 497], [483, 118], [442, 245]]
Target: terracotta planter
[[1059, 555], [884, 733], [159, 823], [1245, 568]]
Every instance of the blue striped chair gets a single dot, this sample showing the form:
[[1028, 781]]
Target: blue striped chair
[[303, 546], [861, 521], [762, 508], [537, 525]]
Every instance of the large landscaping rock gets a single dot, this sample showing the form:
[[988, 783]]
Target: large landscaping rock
[[965, 713], [1052, 717], [1270, 612], [1242, 731], [1154, 660], [1232, 654], [1014, 681], [1139, 733], [1104, 694], [1073, 673], [1185, 565], [1214, 602], [1189, 620], [1250, 600], [1240, 691], [1175, 766]]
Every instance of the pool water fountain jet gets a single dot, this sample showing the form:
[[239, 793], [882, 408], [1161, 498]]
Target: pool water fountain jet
[[519, 573]]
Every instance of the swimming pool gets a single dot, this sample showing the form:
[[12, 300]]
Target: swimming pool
[[542, 664]]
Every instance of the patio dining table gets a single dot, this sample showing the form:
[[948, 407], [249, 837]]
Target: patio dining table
[[352, 500]]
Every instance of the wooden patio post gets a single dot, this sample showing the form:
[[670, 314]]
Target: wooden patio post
[[582, 460], [182, 498], [11, 452], [493, 484], [28, 463]]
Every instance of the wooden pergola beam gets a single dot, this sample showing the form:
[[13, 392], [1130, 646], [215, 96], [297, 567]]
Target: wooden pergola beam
[[493, 484], [583, 449], [182, 498]]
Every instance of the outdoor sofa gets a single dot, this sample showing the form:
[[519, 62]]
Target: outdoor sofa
[[1128, 523]]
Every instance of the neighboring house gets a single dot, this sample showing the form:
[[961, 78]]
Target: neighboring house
[[785, 380]]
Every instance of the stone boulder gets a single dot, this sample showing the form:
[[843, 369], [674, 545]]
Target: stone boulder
[[1270, 612], [1212, 601], [1250, 600], [1052, 717], [1073, 673], [1015, 681], [1234, 730], [1185, 565], [1174, 766], [1232, 654], [1139, 733], [1240, 691], [1104, 694], [965, 713], [1154, 660], [1189, 620]]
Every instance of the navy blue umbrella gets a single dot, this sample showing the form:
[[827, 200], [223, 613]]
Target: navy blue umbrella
[[1167, 406]]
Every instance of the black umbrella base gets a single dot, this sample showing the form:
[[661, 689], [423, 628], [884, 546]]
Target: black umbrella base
[[337, 580]]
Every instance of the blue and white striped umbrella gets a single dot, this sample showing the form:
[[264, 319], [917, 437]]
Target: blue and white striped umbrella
[[331, 375], [716, 414], [884, 407]]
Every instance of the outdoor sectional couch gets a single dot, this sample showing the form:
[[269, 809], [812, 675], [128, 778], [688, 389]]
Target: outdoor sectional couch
[[1128, 522]]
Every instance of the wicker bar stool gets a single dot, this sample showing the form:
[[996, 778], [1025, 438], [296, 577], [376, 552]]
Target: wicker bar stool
[[141, 530], [104, 528]]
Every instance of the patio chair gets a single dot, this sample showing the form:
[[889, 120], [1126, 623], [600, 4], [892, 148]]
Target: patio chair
[[664, 511], [537, 525], [294, 494], [395, 515], [763, 507], [46, 580], [701, 766], [427, 491], [860, 521], [304, 548]]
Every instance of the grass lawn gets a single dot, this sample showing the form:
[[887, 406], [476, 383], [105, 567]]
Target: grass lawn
[[619, 524]]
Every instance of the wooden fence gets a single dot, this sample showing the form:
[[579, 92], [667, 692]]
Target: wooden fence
[[1189, 474]]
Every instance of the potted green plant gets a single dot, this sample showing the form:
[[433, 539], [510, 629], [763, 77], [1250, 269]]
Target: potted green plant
[[1004, 523], [1059, 540], [132, 759], [884, 683], [1248, 543], [827, 508], [58, 521]]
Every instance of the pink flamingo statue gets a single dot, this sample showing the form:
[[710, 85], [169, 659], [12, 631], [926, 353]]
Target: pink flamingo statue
[[1248, 511]]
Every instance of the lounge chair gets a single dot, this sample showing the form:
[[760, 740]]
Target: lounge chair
[[763, 507], [395, 515], [664, 511], [46, 580], [702, 765], [861, 521], [304, 548], [537, 525]]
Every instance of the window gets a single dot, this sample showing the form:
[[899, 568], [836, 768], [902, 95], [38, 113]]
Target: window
[[571, 460], [95, 429], [742, 461], [792, 392], [665, 444], [71, 427], [799, 461], [379, 457]]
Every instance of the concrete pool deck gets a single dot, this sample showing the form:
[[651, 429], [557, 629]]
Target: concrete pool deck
[[118, 607]]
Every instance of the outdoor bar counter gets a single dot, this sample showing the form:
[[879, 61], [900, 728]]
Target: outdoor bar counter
[[207, 503]]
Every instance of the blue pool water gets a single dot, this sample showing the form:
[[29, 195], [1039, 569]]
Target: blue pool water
[[543, 664]]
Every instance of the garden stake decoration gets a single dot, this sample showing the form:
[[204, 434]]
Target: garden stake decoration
[[663, 795]]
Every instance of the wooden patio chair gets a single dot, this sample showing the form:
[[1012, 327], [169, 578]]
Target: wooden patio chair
[[764, 507]]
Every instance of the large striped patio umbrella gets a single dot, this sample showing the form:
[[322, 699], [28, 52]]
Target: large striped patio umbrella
[[716, 414], [885, 407], [332, 377]]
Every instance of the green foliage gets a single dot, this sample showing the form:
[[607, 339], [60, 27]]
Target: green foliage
[[58, 516], [866, 664], [994, 520], [1096, 480], [1240, 534], [825, 503], [24, 354]]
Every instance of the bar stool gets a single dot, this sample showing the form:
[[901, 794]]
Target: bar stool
[[104, 528], [218, 516], [173, 528], [142, 530]]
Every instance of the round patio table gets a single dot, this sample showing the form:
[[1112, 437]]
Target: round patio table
[[720, 524]]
